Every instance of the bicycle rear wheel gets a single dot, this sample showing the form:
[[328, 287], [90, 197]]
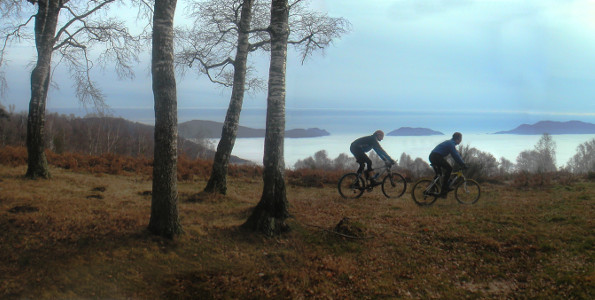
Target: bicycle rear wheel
[[351, 186], [394, 185], [424, 193], [468, 192]]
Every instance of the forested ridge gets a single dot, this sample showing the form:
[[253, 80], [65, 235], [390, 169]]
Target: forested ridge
[[197, 129], [97, 135]]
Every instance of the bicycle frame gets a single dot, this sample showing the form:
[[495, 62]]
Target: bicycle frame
[[386, 169], [454, 177]]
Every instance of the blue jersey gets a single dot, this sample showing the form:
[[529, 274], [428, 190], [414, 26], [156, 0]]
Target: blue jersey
[[449, 147]]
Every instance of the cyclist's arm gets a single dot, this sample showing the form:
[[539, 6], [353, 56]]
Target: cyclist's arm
[[381, 153], [456, 156]]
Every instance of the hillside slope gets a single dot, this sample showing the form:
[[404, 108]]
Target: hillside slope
[[409, 131], [211, 129], [552, 127]]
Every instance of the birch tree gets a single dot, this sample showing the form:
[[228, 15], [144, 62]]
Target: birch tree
[[271, 212], [164, 208], [67, 29], [546, 147], [540, 160], [222, 27], [584, 159], [225, 27]]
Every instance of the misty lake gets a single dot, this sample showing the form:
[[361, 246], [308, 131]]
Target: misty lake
[[499, 145]]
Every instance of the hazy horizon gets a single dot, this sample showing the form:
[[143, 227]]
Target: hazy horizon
[[341, 121]]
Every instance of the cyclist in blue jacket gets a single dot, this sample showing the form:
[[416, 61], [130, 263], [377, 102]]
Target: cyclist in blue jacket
[[438, 158], [360, 146]]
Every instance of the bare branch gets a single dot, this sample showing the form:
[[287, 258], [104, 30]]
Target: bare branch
[[10, 7], [212, 40], [260, 45], [10, 33], [295, 3], [228, 82], [312, 31], [80, 17], [119, 46]]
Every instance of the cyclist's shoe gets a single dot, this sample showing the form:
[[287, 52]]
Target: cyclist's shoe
[[442, 195], [373, 182]]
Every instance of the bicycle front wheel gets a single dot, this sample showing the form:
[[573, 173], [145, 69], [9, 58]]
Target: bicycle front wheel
[[468, 192], [424, 192], [394, 185], [351, 186]]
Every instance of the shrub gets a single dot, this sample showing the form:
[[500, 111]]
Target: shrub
[[481, 165], [584, 159], [312, 178], [531, 180], [540, 160], [417, 168], [245, 171], [564, 178], [320, 160], [13, 156]]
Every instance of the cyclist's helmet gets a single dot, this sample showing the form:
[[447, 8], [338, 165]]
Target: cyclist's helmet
[[379, 134]]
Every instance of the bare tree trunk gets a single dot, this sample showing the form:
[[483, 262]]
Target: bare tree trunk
[[218, 181], [164, 206], [46, 22], [271, 212]]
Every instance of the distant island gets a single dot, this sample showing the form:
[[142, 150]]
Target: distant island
[[552, 127], [211, 129], [409, 131]]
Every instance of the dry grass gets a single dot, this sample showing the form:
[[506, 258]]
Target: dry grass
[[81, 235]]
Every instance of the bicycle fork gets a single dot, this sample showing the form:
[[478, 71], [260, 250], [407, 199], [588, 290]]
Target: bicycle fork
[[465, 187]]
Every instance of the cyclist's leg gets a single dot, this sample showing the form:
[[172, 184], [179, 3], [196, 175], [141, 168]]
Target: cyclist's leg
[[444, 168], [368, 161], [447, 171], [359, 158], [435, 163], [362, 165]]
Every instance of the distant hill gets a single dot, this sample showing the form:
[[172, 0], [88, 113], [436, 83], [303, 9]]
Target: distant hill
[[210, 129], [552, 127], [409, 131], [305, 133], [94, 135]]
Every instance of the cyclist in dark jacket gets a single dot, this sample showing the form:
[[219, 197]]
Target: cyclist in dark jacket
[[438, 158], [364, 144]]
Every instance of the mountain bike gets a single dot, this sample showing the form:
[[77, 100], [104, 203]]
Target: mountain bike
[[353, 185], [426, 191]]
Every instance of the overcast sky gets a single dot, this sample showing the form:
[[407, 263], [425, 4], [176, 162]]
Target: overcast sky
[[510, 56]]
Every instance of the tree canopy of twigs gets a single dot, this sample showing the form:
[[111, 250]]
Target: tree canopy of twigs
[[87, 36], [209, 45]]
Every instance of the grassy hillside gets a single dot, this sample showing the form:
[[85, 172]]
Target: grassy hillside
[[82, 235]]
